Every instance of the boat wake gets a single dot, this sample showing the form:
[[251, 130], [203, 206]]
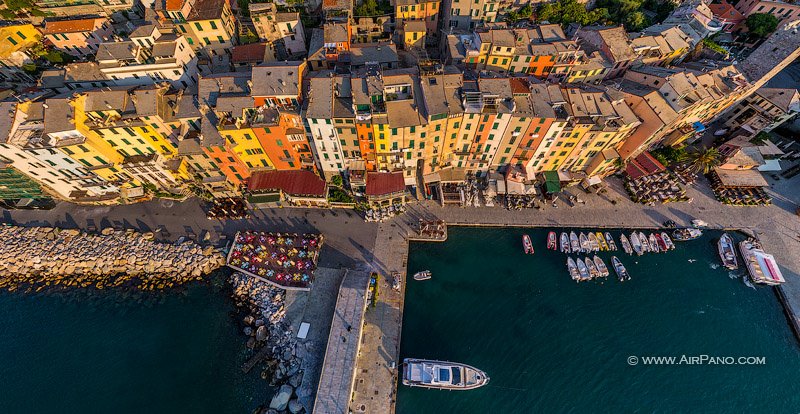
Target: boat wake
[[748, 283], [733, 275], [713, 266]]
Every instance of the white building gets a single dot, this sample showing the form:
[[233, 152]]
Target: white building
[[147, 59], [320, 127]]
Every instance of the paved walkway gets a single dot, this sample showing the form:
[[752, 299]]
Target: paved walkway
[[336, 379]]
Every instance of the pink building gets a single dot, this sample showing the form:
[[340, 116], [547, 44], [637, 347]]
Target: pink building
[[785, 12], [78, 37], [727, 15]]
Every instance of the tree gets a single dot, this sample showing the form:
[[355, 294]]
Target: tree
[[635, 21], [704, 160], [761, 24]]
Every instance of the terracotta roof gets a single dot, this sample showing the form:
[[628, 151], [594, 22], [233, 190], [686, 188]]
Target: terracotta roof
[[254, 52], [519, 85], [382, 183], [174, 5], [298, 182], [68, 26], [643, 165], [725, 10]]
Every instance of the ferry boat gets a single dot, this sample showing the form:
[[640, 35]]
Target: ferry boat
[[626, 245], [593, 272], [583, 270], [727, 252], [526, 244], [610, 240], [442, 375], [686, 234], [761, 266], [551, 241], [585, 246], [667, 241], [594, 245], [573, 270], [622, 273], [602, 269], [651, 240], [574, 243], [644, 242], [602, 241], [636, 244], [423, 275], [564, 243]]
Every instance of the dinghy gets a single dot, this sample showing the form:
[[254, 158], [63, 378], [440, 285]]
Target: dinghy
[[527, 245], [593, 272], [551, 241], [644, 242], [594, 245], [651, 240], [667, 241], [585, 246], [610, 240], [564, 243], [727, 252]]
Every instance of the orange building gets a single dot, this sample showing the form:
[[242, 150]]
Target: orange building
[[366, 144], [541, 65], [283, 139]]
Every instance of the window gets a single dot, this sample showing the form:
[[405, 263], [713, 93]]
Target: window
[[213, 25], [11, 39], [198, 26], [221, 40], [21, 36]]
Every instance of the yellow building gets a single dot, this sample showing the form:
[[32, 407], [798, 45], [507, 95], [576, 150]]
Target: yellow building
[[413, 32], [14, 43], [247, 147]]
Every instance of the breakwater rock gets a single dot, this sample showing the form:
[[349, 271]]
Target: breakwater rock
[[43, 256], [271, 339]]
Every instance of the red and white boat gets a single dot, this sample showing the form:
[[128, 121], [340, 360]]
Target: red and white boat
[[526, 244], [551, 241]]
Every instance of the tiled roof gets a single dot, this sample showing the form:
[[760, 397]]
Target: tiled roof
[[253, 52], [382, 183], [643, 165], [68, 26], [297, 182]]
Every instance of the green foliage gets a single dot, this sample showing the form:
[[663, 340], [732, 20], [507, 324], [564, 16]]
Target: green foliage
[[372, 8], [761, 24], [337, 180], [29, 68], [523, 13], [248, 38], [704, 160], [8, 14], [636, 21], [19, 4], [244, 7], [760, 138], [670, 155], [565, 12], [58, 57], [337, 195], [714, 46]]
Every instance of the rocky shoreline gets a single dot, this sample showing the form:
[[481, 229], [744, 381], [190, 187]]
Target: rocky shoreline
[[275, 348], [36, 258]]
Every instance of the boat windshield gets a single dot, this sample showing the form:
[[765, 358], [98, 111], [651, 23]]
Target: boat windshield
[[444, 375], [456, 375]]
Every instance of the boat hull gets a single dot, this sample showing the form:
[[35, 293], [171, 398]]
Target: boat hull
[[422, 373]]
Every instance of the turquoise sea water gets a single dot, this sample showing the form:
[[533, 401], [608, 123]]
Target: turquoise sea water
[[109, 352], [551, 345]]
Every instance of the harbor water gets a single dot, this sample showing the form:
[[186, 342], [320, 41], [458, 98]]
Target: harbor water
[[550, 344], [115, 351]]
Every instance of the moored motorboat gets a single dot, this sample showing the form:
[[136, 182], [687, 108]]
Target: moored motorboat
[[585, 246], [626, 245], [594, 245], [610, 240], [622, 273], [442, 375], [662, 245], [761, 266], [636, 244], [602, 269], [644, 242], [565, 243], [686, 234], [727, 252], [602, 241], [573, 270], [667, 241], [423, 275], [583, 270], [527, 245], [551, 241], [574, 242], [651, 240], [593, 272]]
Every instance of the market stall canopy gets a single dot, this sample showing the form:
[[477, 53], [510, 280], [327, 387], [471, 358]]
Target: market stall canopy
[[551, 182], [740, 178]]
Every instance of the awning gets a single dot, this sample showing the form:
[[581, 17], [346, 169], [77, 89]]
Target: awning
[[590, 181], [564, 176], [740, 178], [551, 182], [698, 127], [770, 165]]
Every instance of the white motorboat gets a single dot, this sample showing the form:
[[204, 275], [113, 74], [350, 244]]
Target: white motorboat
[[442, 375], [761, 266], [726, 252], [423, 275]]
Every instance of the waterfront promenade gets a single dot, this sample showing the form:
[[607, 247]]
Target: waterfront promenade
[[383, 247]]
